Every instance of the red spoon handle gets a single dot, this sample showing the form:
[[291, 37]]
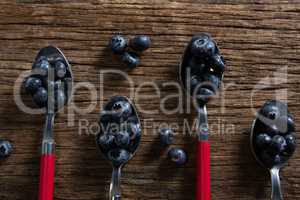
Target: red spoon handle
[[203, 171], [47, 177]]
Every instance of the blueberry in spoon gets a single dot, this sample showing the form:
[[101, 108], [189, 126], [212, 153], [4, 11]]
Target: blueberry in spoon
[[291, 143], [60, 69], [203, 47], [121, 109], [263, 140], [119, 137], [40, 97], [133, 127], [41, 66], [273, 140], [32, 84]]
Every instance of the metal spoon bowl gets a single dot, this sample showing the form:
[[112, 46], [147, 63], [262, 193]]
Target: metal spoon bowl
[[115, 191], [258, 127]]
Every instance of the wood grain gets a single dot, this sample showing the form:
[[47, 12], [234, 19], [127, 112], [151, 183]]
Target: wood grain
[[257, 38]]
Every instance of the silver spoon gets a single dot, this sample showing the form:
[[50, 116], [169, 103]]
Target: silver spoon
[[269, 119], [47, 169], [111, 149]]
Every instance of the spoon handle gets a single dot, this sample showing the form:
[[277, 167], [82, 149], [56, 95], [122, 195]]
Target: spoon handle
[[203, 157], [47, 177], [203, 171], [47, 165], [276, 188], [115, 191]]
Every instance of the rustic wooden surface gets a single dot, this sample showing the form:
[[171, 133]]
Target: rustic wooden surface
[[257, 38]]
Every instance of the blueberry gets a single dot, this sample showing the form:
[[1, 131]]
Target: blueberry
[[106, 141], [203, 46], [269, 115], [290, 124], [105, 119], [219, 63], [32, 84], [122, 139], [5, 149], [121, 109], [130, 59], [203, 95], [41, 97], [277, 144], [285, 124], [133, 128], [270, 110], [60, 69], [196, 67], [166, 136], [133, 119], [212, 82], [140, 43], [118, 44], [41, 67], [118, 156], [291, 143], [263, 140], [178, 156], [272, 130]]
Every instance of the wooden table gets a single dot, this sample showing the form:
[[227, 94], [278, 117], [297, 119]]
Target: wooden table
[[259, 39]]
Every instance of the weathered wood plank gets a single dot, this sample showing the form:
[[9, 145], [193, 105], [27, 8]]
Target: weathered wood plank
[[257, 38]]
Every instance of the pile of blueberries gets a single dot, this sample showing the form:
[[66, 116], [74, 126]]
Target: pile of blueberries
[[274, 139], [129, 52], [202, 67], [176, 155], [48, 76], [120, 131]]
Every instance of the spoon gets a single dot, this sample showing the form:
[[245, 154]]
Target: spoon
[[272, 141], [58, 95], [200, 74], [119, 137]]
